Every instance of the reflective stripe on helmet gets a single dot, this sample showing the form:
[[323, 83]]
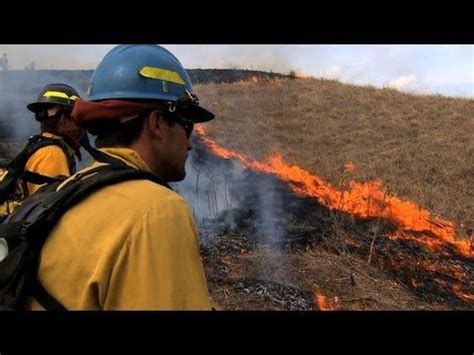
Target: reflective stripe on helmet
[[161, 74], [61, 95]]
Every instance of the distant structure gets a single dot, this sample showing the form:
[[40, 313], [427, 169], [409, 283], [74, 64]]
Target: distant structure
[[31, 66], [4, 62]]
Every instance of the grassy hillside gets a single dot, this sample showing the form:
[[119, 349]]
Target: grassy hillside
[[420, 146]]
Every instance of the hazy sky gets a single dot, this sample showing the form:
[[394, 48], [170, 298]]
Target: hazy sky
[[445, 69]]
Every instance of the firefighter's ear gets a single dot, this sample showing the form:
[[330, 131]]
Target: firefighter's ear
[[63, 120], [156, 123]]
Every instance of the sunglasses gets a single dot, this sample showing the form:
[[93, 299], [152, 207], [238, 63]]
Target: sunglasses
[[187, 125]]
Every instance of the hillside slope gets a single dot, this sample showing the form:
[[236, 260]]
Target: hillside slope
[[421, 147]]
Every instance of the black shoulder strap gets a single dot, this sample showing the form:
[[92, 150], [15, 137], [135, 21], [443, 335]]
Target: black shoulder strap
[[37, 143], [38, 179], [83, 184], [34, 143], [40, 141], [16, 168], [67, 151], [47, 301]]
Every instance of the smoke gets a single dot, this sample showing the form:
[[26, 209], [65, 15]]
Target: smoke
[[270, 212], [405, 82], [212, 188], [49, 57], [222, 195], [307, 60], [227, 199], [276, 58], [333, 72], [19, 88]]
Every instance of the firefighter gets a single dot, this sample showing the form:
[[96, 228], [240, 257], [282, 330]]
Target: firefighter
[[53, 110], [132, 245], [4, 61], [48, 154]]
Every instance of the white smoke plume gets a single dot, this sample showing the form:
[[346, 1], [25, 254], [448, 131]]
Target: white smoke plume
[[405, 82]]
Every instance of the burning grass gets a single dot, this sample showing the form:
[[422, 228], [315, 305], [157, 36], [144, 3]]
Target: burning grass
[[435, 270], [419, 146], [384, 184]]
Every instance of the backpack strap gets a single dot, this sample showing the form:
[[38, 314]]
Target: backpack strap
[[40, 141], [38, 179], [47, 301], [11, 230], [67, 151], [16, 169], [35, 143]]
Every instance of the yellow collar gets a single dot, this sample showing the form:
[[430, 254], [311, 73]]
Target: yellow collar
[[127, 155], [50, 135]]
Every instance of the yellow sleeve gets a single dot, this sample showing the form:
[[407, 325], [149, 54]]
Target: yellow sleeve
[[50, 161], [159, 266]]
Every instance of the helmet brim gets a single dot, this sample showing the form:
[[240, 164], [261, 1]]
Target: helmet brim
[[38, 106], [42, 106], [196, 114]]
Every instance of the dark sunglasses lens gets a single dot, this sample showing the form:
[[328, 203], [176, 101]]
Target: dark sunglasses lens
[[188, 127]]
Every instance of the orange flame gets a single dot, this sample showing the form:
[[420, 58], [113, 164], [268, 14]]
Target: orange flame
[[301, 76], [323, 303], [360, 199], [256, 79]]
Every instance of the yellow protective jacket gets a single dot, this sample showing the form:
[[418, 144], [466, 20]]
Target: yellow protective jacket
[[49, 161], [129, 246]]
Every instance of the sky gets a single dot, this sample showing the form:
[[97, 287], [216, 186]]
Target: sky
[[420, 69]]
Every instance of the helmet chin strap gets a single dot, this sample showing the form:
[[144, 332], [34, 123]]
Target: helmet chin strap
[[74, 143]]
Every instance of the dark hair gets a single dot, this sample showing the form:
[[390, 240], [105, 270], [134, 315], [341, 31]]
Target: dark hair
[[112, 133], [50, 125]]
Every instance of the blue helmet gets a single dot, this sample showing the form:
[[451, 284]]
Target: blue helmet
[[146, 72]]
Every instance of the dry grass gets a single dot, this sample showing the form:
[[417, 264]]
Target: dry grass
[[346, 282], [420, 146]]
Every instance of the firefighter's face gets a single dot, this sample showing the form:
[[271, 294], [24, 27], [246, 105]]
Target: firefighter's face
[[173, 148]]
